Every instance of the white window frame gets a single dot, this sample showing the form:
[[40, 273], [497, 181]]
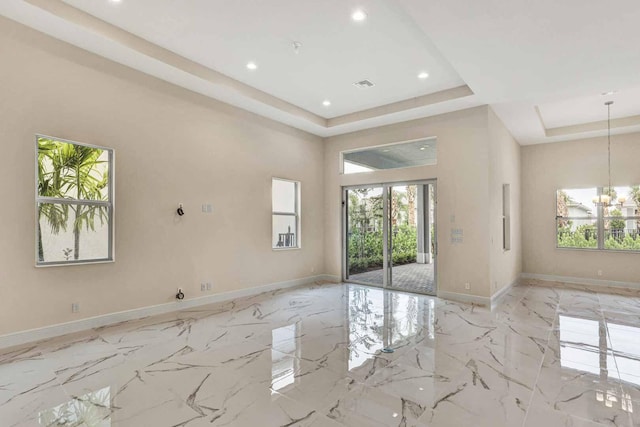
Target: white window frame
[[109, 204], [599, 219], [296, 214], [506, 217]]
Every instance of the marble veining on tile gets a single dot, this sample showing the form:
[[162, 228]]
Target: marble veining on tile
[[343, 355]]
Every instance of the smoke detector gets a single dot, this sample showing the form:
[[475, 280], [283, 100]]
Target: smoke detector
[[364, 84]]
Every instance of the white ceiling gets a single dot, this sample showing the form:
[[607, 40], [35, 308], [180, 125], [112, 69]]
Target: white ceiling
[[541, 65], [224, 35], [518, 54], [584, 109]]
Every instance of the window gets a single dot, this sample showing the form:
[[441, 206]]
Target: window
[[506, 217], [74, 202], [580, 223], [420, 152], [285, 201]]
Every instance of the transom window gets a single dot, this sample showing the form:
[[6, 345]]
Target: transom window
[[74, 202], [595, 218]]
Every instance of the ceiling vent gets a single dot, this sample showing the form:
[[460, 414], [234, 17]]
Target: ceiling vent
[[364, 84]]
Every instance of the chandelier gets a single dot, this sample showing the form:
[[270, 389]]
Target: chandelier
[[610, 198]]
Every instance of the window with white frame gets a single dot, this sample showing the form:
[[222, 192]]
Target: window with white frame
[[285, 201], [506, 217], [596, 218], [74, 202]]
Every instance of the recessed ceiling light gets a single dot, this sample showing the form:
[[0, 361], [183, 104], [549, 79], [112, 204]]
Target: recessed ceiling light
[[385, 151], [326, 102], [116, 1], [251, 65], [423, 75], [423, 148], [611, 92], [359, 15]]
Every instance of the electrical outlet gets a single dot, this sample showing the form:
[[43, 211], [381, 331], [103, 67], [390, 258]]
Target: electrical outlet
[[203, 287], [75, 307], [467, 286], [208, 286]]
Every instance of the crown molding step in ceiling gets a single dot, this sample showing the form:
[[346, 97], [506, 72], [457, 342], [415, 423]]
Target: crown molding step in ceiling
[[304, 59], [544, 72]]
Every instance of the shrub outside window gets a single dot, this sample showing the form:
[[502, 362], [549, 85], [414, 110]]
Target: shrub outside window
[[582, 224], [74, 202]]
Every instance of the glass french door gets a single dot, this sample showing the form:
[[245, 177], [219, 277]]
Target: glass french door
[[389, 236]]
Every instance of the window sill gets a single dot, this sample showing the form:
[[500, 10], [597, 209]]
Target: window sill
[[599, 250], [69, 263], [286, 249]]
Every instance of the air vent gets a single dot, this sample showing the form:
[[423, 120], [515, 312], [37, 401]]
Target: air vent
[[364, 84]]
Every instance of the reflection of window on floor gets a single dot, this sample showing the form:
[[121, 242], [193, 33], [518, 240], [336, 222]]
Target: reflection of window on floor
[[379, 319], [627, 351], [284, 356], [91, 409], [366, 324], [584, 347]]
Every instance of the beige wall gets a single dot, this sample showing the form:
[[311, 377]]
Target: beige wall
[[463, 190], [574, 164], [171, 146], [504, 168]]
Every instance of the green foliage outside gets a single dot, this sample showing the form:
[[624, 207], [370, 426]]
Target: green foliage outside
[[585, 236], [74, 171], [626, 243], [618, 223], [365, 248]]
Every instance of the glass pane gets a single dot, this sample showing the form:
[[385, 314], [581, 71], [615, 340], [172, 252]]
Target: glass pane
[[72, 171], [577, 233], [576, 203], [284, 196], [402, 155], [59, 240], [621, 225], [350, 167], [284, 231], [411, 239], [364, 240]]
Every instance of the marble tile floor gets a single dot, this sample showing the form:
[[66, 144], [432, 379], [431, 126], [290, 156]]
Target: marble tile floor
[[312, 356]]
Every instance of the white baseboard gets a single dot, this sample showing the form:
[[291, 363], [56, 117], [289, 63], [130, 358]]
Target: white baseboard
[[582, 281], [465, 298], [31, 335], [478, 300], [331, 278], [495, 298]]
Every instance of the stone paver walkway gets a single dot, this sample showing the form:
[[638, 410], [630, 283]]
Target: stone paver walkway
[[409, 277]]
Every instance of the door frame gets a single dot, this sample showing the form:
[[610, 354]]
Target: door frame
[[386, 243]]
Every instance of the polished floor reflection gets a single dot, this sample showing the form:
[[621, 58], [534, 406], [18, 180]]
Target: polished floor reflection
[[336, 355]]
